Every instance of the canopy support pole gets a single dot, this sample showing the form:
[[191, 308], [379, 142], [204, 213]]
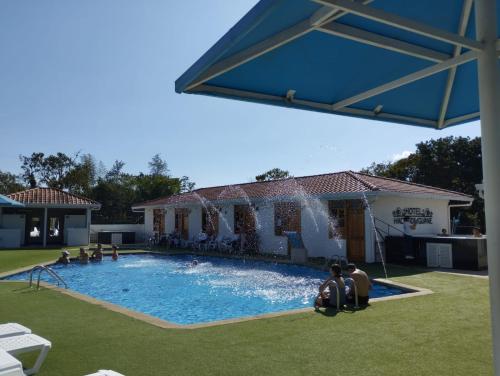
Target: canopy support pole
[[489, 99]]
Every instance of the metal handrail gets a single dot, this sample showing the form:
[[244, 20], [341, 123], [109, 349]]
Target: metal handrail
[[42, 268], [389, 226], [338, 293], [356, 302]]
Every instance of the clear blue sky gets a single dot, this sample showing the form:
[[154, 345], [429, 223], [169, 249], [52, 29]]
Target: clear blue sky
[[97, 76]]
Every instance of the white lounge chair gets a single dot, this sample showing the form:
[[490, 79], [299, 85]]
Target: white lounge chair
[[27, 343], [10, 366], [104, 372], [11, 329]]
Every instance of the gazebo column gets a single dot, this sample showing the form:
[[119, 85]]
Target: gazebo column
[[44, 227], [489, 97]]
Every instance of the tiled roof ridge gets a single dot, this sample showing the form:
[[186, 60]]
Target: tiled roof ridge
[[270, 181], [26, 191], [198, 190], [413, 184], [160, 198], [371, 187]]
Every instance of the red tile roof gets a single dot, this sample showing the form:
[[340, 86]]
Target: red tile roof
[[52, 197], [334, 183]]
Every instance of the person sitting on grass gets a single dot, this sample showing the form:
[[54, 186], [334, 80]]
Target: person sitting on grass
[[83, 257], [334, 283], [64, 259], [97, 254], [363, 285], [114, 255]]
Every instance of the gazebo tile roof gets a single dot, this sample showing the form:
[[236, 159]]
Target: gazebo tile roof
[[51, 196]]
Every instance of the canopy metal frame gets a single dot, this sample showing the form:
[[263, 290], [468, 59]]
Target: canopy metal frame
[[324, 20]]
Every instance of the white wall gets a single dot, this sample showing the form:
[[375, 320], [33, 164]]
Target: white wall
[[75, 221], [76, 236], [148, 222], [169, 220], [269, 242], [194, 221], [384, 206], [226, 220], [315, 231], [10, 238], [15, 221]]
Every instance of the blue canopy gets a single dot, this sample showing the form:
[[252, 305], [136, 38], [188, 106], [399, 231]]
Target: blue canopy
[[7, 202], [338, 56]]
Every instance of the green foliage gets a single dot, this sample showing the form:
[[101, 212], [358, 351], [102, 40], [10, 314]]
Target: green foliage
[[452, 163], [116, 190], [273, 174], [158, 166], [9, 183]]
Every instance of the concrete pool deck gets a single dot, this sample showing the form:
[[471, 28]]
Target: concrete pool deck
[[411, 291]]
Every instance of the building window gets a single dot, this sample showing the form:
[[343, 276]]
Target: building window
[[336, 225], [210, 221], [159, 221], [244, 220], [286, 217]]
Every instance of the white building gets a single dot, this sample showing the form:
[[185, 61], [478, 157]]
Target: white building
[[334, 213], [49, 217]]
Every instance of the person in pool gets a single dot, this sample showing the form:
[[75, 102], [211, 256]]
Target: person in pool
[[83, 257], [97, 254], [329, 298], [194, 263], [64, 259], [114, 255]]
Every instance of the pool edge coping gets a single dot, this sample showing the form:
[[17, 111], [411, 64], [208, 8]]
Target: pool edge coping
[[410, 292]]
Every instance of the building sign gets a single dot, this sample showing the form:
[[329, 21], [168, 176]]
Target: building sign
[[416, 216]]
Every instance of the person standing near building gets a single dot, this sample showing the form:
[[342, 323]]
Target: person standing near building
[[408, 229]]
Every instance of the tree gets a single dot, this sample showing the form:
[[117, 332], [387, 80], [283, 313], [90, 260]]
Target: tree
[[116, 171], [55, 169], [149, 187], [9, 183], [186, 185], [83, 177], [273, 174], [452, 163], [32, 166], [158, 166]]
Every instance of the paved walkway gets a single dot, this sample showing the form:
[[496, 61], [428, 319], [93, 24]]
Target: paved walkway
[[468, 273]]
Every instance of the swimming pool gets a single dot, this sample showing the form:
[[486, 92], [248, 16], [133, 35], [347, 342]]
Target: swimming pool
[[169, 288]]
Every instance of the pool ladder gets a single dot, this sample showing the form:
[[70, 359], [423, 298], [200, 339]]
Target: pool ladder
[[353, 282], [53, 274]]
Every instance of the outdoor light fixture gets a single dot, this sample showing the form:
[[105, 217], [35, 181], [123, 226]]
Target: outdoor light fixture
[[378, 109], [290, 95]]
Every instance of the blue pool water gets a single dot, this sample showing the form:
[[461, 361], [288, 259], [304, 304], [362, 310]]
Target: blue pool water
[[168, 287]]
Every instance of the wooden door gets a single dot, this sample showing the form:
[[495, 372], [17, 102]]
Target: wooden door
[[355, 229], [182, 222]]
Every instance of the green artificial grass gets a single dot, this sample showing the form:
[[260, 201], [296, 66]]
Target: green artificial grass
[[446, 333], [14, 259]]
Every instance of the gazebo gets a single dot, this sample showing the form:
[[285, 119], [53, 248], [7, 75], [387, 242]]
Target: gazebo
[[45, 217], [429, 63]]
